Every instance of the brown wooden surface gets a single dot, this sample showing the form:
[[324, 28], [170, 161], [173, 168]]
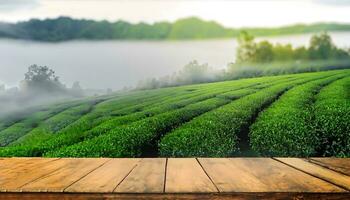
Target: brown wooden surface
[[185, 175], [147, 177], [170, 196], [181, 178], [71, 171], [318, 171], [10, 163], [261, 175], [337, 164], [13, 177], [105, 178]]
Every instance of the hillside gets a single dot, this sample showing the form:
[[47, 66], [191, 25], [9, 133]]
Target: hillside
[[65, 28], [289, 115]]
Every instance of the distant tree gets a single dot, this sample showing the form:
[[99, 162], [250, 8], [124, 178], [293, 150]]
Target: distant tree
[[40, 73], [263, 52], [321, 46], [246, 48], [248, 51], [340, 53], [76, 86], [283, 52], [194, 72], [42, 78], [300, 53], [76, 90]]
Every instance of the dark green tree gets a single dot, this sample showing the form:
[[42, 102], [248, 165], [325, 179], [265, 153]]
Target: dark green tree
[[42, 78], [321, 46], [263, 52], [246, 48]]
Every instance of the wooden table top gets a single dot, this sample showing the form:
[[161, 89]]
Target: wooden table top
[[180, 178]]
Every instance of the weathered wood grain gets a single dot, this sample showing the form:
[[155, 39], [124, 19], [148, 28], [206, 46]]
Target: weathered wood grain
[[169, 196], [13, 177], [71, 171], [147, 177], [341, 165], [185, 175], [174, 178], [261, 175], [318, 171], [14, 163], [105, 178]]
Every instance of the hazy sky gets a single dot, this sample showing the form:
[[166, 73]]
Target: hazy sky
[[232, 13]]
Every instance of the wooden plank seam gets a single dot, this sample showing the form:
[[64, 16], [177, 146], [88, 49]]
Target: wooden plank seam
[[40, 177], [318, 163], [86, 174], [217, 189], [345, 188], [127, 174], [166, 170]]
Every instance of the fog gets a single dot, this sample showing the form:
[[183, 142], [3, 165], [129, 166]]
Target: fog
[[109, 64], [14, 101], [99, 65], [115, 64]]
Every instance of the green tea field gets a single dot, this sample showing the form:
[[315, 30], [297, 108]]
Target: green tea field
[[289, 115]]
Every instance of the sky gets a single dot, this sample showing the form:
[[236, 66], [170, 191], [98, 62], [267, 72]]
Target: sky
[[230, 13]]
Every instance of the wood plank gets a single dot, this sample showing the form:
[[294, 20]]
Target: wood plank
[[228, 178], [318, 171], [261, 175], [177, 196], [71, 171], [21, 173], [341, 165], [105, 178], [184, 178], [185, 175], [147, 177], [13, 163]]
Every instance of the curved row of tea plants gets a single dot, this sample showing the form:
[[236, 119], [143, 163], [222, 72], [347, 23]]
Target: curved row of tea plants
[[138, 131], [176, 103], [214, 134], [196, 120], [287, 128], [212, 90], [133, 140], [128, 141], [332, 118], [17, 130], [56, 123], [234, 93]]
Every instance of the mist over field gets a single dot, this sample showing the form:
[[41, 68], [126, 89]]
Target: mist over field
[[118, 64], [124, 65]]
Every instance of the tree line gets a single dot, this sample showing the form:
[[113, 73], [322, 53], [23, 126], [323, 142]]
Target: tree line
[[261, 58], [65, 28], [320, 47]]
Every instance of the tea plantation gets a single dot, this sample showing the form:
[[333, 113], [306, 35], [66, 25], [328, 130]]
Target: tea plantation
[[290, 115]]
